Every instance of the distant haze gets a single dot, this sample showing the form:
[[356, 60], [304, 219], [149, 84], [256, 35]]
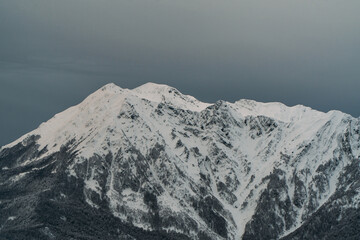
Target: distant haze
[[55, 53]]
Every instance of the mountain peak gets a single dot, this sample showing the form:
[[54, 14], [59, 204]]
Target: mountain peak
[[152, 85], [155, 92], [102, 106], [154, 159], [110, 87], [277, 110], [163, 93]]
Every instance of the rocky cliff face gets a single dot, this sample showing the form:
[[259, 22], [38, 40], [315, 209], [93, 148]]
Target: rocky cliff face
[[152, 163]]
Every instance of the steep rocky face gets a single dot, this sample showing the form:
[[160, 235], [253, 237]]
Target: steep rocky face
[[152, 163]]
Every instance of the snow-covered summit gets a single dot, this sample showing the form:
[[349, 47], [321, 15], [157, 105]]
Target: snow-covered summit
[[282, 112], [100, 108], [166, 94], [157, 159]]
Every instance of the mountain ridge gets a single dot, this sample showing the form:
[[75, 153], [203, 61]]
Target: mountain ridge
[[162, 161], [246, 104]]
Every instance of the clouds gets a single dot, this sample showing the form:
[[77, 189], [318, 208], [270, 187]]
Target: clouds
[[297, 51]]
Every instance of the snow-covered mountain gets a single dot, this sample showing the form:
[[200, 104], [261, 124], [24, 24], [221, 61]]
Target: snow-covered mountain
[[153, 163]]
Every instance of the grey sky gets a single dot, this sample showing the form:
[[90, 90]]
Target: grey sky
[[55, 53]]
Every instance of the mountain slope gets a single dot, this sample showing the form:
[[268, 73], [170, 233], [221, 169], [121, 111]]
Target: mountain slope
[[153, 162]]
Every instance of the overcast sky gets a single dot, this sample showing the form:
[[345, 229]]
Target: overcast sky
[[54, 53]]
